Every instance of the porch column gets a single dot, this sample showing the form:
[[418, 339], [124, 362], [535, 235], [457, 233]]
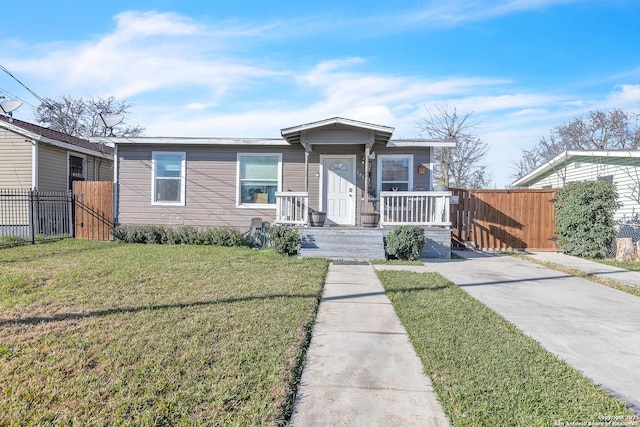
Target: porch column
[[306, 168], [366, 177]]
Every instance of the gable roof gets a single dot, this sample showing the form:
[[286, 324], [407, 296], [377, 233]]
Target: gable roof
[[379, 133], [570, 156], [294, 135], [55, 138]]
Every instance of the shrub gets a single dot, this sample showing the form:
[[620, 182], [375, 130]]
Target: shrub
[[140, 234], [584, 218], [284, 240], [183, 235], [221, 236], [406, 242]]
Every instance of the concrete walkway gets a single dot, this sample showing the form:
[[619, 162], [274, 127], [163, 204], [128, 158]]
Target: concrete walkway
[[631, 278], [593, 328], [361, 369]]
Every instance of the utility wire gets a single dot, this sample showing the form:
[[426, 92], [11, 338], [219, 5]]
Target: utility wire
[[23, 85], [8, 94]]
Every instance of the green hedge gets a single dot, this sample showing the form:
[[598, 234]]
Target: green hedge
[[183, 235], [584, 218]]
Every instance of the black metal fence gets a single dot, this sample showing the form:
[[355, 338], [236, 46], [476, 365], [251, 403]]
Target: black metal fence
[[30, 216]]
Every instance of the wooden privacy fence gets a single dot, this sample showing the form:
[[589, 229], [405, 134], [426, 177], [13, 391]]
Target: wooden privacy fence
[[93, 209], [504, 219]]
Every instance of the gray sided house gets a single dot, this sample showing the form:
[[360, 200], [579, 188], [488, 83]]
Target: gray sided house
[[32, 156], [621, 168], [343, 168]]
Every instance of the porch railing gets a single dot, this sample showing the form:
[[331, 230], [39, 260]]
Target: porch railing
[[292, 208], [415, 208]]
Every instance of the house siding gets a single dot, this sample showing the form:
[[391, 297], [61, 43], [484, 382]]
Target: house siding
[[211, 174], [52, 168], [210, 196], [625, 172], [53, 173], [15, 160]]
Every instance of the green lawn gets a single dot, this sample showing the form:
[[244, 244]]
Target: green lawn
[[633, 266], [484, 370], [98, 333]]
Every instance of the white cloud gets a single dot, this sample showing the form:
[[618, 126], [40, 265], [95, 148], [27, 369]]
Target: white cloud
[[145, 52], [453, 13], [184, 80]]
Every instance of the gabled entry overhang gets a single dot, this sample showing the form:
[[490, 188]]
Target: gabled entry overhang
[[337, 131]]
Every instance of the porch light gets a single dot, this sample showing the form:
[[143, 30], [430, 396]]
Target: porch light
[[372, 155]]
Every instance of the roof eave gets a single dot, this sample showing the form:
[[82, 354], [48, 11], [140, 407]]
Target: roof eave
[[60, 144], [565, 156], [192, 141]]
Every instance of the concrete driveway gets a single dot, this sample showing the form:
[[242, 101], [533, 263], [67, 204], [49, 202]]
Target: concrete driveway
[[593, 328]]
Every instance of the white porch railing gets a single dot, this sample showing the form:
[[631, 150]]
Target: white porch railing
[[292, 208], [415, 208]]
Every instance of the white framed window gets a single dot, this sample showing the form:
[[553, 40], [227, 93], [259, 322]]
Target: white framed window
[[259, 178], [168, 170], [395, 172]]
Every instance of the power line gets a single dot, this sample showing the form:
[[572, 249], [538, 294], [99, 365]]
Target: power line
[[23, 85], [8, 94]]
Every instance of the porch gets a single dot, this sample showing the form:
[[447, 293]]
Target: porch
[[424, 208], [428, 209]]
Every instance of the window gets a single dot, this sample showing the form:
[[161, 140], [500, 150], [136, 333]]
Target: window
[[168, 178], [76, 170], [259, 179], [395, 172]]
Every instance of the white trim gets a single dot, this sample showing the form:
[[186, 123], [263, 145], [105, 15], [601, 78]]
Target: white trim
[[36, 137], [116, 193], [322, 195], [183, 177], [192, 141], [565, 156], [419, 143], [84, 165], [239, 203], [34, 163], [393, 156], [337, 121]]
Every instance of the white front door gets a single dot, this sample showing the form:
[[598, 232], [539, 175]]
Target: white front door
[[339, 189]]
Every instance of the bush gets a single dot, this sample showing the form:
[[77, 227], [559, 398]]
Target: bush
[[584, 218], [183, 235], [140, 234], [284, 240], [222, 236], [406, 242]]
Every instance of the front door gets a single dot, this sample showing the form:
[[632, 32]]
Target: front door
[[339, 189]]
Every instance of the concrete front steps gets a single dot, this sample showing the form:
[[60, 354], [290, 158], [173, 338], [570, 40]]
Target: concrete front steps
[[342, 243]]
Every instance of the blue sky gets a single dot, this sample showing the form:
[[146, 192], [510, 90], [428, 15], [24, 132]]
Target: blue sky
[[249, 68]]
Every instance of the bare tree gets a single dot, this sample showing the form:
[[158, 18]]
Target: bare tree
[[458, 166], [80, 117], [613, 130]]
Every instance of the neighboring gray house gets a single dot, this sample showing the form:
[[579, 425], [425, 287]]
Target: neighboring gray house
[[621, 168], [325, 165], [32, 156]]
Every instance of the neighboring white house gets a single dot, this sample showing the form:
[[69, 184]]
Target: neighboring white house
[[621, 168]]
